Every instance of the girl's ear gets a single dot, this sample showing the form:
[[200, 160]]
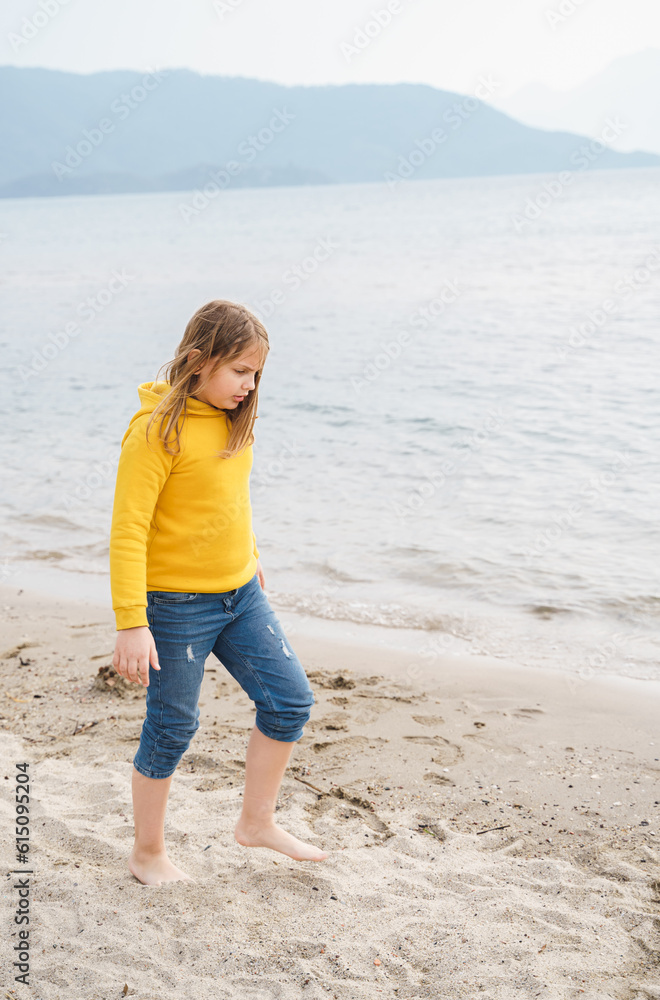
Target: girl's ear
[[191, 354]]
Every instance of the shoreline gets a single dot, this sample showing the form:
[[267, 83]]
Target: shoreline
[[528, 793], [588, 648]]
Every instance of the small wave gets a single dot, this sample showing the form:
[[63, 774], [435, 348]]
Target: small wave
[[387, 615], [90, 558], [325, 408], [85, 569], [642, 604], [547, 610], [67, 563], [328, 570], [50, 521], [99, 550], [49, 555]]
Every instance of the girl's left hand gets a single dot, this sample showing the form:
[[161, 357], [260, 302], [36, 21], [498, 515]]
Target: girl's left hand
[[260, 575]]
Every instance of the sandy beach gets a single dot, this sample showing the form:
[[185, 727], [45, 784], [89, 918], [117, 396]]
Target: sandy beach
[[492, 831]]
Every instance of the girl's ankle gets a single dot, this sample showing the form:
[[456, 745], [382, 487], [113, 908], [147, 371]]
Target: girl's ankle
[[254, 823], [139, 851]]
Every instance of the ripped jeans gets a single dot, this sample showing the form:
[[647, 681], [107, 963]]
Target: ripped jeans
[[241, 629]]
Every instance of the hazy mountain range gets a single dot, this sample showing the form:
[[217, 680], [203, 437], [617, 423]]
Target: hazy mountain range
[[120, 131], [628, 89]]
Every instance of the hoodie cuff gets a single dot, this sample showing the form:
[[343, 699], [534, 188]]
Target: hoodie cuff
[[131, 617]]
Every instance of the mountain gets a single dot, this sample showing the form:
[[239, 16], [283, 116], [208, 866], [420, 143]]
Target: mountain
[[628, 89], [120, 130]]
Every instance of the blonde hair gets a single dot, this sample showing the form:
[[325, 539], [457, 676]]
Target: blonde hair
[[221, 331]]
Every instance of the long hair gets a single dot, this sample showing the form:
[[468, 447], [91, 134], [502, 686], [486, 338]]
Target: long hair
[[221, 331]]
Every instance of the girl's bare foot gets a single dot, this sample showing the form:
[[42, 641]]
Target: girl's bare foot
[[273, 836], [154, 869]]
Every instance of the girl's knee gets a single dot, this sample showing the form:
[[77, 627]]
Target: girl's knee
[[287, 723], [161, 749], [290, 732]]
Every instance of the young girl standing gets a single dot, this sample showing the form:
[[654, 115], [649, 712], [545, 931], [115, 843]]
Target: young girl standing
[[186, 581]]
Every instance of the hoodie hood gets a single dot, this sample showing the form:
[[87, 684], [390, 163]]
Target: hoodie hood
[[151, 394]]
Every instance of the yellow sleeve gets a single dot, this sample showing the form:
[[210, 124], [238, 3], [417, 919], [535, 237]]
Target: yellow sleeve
[[141, 474], [255, 549]]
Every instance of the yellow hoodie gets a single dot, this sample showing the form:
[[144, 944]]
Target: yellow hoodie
[[179, 522]]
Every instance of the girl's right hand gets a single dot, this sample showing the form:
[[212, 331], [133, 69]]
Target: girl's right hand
[[134, 650]]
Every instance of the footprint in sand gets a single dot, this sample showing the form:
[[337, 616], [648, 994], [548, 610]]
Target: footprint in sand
[[349, 743], [340, 805], [428, 720], [328, 723], [428, 740], [438, 779], [323, 679], [488, 743], [444, 751]]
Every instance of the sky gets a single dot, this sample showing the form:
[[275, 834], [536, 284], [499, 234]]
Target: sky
[[449, 44]]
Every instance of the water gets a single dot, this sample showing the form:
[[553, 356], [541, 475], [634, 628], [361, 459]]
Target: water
[[458, 426]]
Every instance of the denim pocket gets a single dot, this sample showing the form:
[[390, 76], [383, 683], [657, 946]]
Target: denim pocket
[[171, 597]]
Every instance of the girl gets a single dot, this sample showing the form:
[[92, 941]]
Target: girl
[[186, 581]]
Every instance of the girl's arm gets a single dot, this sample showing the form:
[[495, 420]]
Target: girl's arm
[[141, 474]]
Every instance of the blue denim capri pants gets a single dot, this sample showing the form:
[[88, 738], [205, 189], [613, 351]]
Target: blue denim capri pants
[[241, 629]]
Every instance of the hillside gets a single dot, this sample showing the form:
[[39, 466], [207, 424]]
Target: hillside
[[127, 131]]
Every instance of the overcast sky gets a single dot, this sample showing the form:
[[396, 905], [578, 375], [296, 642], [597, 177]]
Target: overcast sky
[[445, 43]]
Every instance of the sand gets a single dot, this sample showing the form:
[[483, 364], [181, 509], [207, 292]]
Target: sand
[[492, 831]]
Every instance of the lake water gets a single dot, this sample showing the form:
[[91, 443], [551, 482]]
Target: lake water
[[458, 428]]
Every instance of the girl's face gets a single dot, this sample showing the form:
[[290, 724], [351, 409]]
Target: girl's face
[[230, 383]]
